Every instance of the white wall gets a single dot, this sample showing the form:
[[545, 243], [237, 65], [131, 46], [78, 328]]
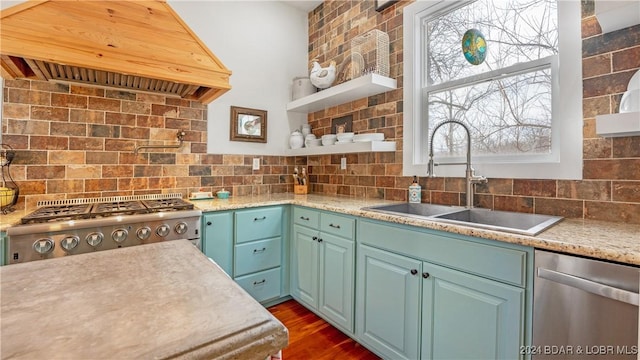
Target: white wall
[[264, 44]]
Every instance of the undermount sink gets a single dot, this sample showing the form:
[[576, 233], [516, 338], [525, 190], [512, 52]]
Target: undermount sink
[[520, 223], [413, 209], [513, 222]]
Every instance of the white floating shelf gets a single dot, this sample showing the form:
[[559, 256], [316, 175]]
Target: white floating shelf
[[616, 15], [355, 147], [358, 88], [616, 125]]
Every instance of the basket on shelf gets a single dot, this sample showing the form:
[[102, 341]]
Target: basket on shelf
[[8, 189], [373, 47]]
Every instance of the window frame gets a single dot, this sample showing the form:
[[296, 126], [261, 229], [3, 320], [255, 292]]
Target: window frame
[[565, 161]]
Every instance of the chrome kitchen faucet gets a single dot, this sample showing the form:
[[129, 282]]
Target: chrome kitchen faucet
[[471, 177]]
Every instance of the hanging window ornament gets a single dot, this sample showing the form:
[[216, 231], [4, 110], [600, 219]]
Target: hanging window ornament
[[474, 46]]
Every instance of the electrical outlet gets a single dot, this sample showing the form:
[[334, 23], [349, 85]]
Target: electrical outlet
[[343, 163], [256, 164]]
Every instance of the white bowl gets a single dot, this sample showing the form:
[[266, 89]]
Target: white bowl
[[312, 142], [368, 137], [345, 136], [328, 141]]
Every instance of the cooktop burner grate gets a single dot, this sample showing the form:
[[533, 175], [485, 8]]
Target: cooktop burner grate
[[118, 208], [58, 213], [167, 205]]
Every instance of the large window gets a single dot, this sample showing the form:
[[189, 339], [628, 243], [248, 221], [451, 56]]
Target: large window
[[520, 103]]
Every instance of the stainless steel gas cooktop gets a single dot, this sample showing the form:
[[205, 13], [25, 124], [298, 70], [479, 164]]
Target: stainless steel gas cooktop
[[75, 226]]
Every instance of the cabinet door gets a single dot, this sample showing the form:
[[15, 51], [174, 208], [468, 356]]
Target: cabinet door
[[388, 303], [217, 232], [304, 270], [336, 280], [469, 317]]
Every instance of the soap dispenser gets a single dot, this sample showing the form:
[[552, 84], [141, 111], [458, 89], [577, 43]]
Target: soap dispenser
[[415, 195]]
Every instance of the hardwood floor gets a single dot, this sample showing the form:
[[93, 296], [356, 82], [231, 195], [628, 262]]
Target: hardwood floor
[[311, 338]]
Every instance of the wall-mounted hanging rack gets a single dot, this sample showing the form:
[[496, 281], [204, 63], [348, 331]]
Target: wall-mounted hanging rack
[[181, 134]]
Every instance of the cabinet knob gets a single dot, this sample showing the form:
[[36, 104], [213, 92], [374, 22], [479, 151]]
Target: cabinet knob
[[314, 238], [209, 223], [426, 275], [319, 240], [414, 271]]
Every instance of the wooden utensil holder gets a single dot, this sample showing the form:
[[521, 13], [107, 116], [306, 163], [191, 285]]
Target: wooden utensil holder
[[300, 189]]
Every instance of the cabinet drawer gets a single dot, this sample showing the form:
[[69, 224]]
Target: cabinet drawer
[[495, 262], [337, 225], [261, 286], [306, 217], [257, 255], [257, 224]]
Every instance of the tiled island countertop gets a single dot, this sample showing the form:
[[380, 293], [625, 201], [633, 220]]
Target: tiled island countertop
[[598, 239], [140, 302]]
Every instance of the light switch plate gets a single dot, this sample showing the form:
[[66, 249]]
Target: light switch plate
[[256, 164], [343, 163]]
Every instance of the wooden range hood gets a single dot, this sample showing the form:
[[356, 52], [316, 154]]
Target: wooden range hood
[[141, 46]]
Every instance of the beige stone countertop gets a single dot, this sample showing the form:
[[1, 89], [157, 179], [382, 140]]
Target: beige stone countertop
[[139, 302], [598, 239]]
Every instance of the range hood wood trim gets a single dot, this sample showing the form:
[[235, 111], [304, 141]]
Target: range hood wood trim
[[136, 38]]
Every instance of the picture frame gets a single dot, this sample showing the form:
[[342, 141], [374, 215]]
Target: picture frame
[[342, 124], [248, 125], [383, 4]]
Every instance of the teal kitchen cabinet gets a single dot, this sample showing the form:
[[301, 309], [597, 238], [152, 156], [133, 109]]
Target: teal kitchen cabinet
[[217, 235], [468, 317], [432, 295], [388, 305], [257, 260], [3, 244], [322, 271]]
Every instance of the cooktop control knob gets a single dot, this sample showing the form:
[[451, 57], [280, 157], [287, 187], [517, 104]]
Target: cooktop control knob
[[143, 233], [69, 243], [163, 230], [94, 239], [43, 246], [181, 228], [119, 235]]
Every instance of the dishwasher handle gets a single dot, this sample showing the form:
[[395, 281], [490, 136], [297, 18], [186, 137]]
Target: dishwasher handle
[[590, 286]]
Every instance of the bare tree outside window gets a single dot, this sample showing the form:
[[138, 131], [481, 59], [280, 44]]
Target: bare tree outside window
[[506, 100]]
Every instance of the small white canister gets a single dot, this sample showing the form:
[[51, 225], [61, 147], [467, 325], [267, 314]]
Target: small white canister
[[301, 87]]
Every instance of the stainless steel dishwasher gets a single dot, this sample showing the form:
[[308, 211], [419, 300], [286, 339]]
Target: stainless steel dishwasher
[[583, 309]]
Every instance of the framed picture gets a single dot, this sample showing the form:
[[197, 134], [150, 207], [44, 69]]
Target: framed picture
[[342, 124], [248, 125], [383, 4]]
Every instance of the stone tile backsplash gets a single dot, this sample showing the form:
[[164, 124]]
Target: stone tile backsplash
[[73, 141], [611, 186]]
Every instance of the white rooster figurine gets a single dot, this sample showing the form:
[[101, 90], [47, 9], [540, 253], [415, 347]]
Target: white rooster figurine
[[321, 77]]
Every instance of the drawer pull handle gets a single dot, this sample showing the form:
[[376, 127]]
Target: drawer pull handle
[[258, 219], [259, 282], [259, 250], [304, 218], [414, 271], [334, 226]]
